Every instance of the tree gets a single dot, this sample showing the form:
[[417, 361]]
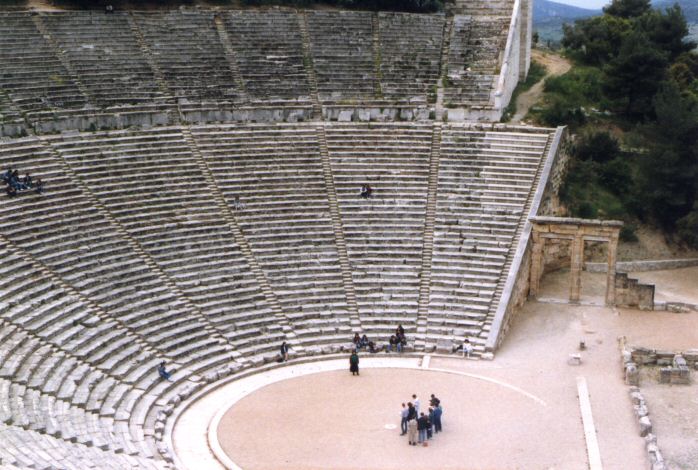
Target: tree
[[634, 76], [627, 8], [595, 40], [667, 30], [668, 173]]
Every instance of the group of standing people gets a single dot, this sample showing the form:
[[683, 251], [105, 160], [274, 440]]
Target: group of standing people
[[418, 425]]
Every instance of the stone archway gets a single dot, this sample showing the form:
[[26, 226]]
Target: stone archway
[[578, 231]]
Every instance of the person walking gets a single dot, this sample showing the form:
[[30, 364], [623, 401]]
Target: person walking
[[283, 350], [412, 432], [403, 419], [354, 363]]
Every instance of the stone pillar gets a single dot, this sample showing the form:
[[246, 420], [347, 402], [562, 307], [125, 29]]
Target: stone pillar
[[536, 264], [576, 262], [611, 272]]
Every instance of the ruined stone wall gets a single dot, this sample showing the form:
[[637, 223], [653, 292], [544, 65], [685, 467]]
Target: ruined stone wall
[[630, 293], [551, 206], [519, 293]]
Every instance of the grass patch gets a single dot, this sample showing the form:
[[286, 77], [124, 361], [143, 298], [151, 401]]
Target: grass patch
[[535, 74]]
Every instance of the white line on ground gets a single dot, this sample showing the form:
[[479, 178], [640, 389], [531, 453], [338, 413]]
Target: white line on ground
[[425, 361], [593, 453]]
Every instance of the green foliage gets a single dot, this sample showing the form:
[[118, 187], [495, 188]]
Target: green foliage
[[598, 178], [567, 96], [687, 227], [667, 183], [597, 146], [581, 85], [633, 77], [595, 40], [667, 30], [627, 8]]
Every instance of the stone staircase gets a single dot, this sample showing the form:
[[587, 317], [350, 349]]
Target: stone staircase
[[375, 30], [339, 231], [308, 62], [244, 246], [229, 53], [428, 239], [148, 54]]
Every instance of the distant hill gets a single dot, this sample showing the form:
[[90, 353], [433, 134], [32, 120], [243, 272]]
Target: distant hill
[[689, 7], [548, 18]]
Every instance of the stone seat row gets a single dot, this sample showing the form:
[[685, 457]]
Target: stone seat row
[[144, 51]]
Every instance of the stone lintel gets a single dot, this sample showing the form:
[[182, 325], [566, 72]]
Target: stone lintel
[[576, 221]]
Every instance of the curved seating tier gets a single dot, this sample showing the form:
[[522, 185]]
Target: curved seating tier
[[206, 246], [410, 48], [269, 53], [474, 59], [87, 70], [187, 50]]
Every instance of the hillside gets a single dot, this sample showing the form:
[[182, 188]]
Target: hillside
[[548, 18], [689, 7]]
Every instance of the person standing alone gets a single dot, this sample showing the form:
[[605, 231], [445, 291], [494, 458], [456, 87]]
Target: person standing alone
[[354, 363]]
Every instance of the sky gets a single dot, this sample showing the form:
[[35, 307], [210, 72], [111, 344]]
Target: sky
[[592, 4]]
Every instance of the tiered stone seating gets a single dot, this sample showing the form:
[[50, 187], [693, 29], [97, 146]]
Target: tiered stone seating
[[484, 7], [342, 48], [30, 449], [473, 59], [62, 230], [485, 179], [269, 52], [383, 233], [129, 257], [32, 75], [276, 172], [187, 49], [152, 184], [410, 55], [105, 54]]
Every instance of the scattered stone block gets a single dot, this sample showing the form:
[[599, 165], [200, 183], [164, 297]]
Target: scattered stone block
[[665, 375], [645, 426], [637, 398], [574, 359], [641, 410], [632, 375], [444, 346], [488, 356]]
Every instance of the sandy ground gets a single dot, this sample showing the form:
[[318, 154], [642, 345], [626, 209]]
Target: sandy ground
[[677, 285], [674, 413], [334, 420], [555, 65]]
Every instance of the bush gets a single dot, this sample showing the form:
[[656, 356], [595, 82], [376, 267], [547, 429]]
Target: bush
[[687, 227], [597, 146]]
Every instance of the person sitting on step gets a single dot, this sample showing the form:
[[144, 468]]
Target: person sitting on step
[[163, 373], [366, 191]]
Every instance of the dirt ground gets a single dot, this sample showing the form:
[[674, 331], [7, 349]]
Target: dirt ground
[[676, 285], [334, 420], [674, 413], [555, 65]]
